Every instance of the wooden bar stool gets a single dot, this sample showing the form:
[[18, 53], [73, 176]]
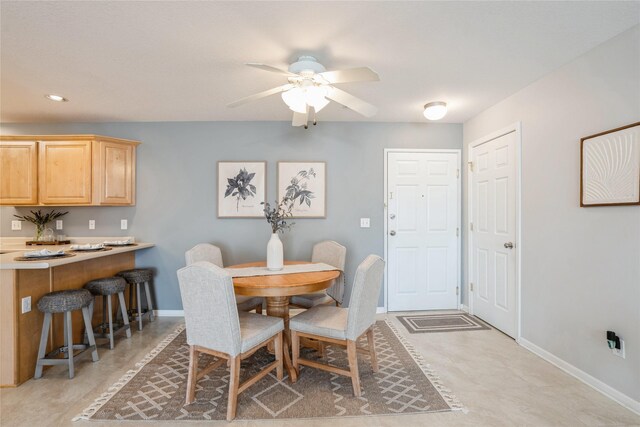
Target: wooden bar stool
[[65, 302], [106, 287], [136, 277]]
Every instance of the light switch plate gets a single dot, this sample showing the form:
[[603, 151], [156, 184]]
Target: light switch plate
[[16, 225], [58, 224], [92, 224], [365, 222], [26, 305], [123, 224]]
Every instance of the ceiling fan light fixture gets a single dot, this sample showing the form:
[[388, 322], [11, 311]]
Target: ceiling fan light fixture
[[295, 99], [435, 110]]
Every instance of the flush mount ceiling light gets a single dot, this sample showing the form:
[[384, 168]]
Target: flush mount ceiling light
[[435, 110], [56, 98], [310, 89]]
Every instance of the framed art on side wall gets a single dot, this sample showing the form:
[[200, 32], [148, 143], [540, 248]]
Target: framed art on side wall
[[305, 183], [610, 167], [241, 189]]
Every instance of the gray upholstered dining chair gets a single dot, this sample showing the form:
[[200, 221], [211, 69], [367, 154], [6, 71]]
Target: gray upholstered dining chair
[[213, 254], [215, 327], [343, 326], [334, 254]]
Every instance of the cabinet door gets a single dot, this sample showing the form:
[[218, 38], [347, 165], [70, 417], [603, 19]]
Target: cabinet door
[[65, 172], [19, 173], [116, 173]]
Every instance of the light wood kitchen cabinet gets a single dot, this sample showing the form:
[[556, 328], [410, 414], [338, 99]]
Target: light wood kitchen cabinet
[[64, 169], [115, 177], [19, 169], [71, 170]]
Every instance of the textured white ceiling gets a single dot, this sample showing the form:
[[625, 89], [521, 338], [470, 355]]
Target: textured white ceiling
[[183, 61]]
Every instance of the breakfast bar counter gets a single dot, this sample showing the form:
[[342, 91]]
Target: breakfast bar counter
[[20, 332]]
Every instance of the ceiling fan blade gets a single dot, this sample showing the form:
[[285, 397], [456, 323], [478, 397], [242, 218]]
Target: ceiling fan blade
[[271, 68], [300, 119], [361, 74], [260, 95], [351, 102]]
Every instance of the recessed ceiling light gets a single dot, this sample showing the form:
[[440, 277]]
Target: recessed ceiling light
[[56, 98], [435, 110]]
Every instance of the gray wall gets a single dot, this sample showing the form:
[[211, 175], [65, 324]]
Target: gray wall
[[580, 266], [176, 191]]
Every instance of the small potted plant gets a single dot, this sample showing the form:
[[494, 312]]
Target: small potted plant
[[277, 218], [40, 220]]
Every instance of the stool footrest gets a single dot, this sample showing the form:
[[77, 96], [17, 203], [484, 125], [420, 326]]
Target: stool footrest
[[50, 359]]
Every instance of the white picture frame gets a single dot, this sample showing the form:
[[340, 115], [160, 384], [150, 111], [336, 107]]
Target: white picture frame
[[610, 167], [242, 187], [306, 184]]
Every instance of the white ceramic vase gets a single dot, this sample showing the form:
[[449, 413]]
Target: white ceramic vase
[[275, 253]]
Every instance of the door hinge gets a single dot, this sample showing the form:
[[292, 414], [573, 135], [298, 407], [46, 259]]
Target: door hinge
[[471, 226], [471, 166], [457, 232], [457, 173], [457, 290], [391, 195], [471, 286]]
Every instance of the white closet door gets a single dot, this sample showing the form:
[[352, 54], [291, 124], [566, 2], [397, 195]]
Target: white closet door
[[493, 181]]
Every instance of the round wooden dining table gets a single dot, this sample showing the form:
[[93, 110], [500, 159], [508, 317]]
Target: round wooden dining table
[[277, 288]]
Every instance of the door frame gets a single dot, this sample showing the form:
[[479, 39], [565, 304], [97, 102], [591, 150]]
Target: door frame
[[385, 194], [517, 128]]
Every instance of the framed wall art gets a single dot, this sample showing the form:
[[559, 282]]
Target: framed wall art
[[241, 188], [305, 183], [610, 167]]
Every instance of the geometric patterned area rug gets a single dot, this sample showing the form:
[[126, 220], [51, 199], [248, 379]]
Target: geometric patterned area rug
[[425, 323], [155, 389]]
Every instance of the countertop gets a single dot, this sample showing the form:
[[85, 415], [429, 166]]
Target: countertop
[[16, 250]]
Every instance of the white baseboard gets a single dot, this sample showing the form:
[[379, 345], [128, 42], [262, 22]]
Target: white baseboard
[[381, 310], [464, 308], [589, 380], [169, 313]]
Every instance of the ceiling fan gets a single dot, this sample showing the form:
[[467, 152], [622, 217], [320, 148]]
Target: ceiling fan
[[310, 89]]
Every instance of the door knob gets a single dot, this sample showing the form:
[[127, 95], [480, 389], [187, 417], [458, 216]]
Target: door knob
[[392, 216], [392, 232], [508, 245]]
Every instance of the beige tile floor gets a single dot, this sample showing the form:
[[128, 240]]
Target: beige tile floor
[[500, 383]]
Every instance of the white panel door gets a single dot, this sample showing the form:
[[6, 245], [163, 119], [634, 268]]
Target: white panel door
[[422, 221], [493, 228]]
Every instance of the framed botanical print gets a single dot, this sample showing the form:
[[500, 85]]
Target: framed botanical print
[[610, 167], [305, 183], [241, 189]]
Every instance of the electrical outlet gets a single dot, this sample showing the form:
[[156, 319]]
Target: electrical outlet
[[92, 224], [58, 224], [26, 305], [619, 352], [123, 224], [16, 225], [365, 222]]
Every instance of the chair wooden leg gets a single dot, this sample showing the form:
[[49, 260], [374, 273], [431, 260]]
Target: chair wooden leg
[[90, 338], [279, 356], [372, 350], [234, 380], [353, 367], [322, 349], [295, 350], [193, 373], [259, 309]]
